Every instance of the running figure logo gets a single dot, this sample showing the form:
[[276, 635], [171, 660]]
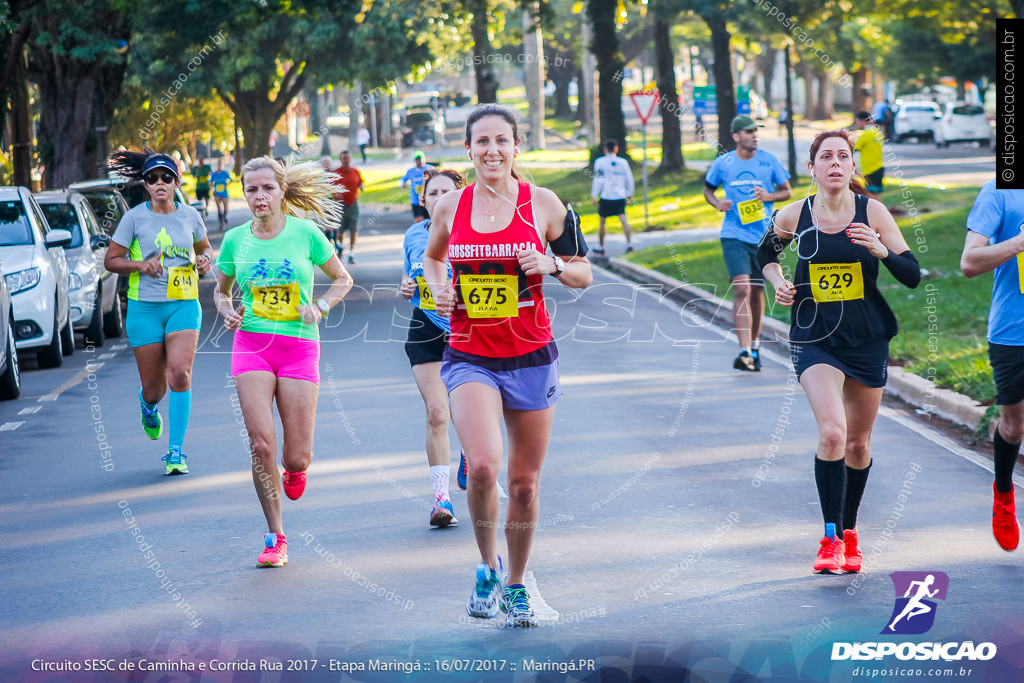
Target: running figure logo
[[914, 612]]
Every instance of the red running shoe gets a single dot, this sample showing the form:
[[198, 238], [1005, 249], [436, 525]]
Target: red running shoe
[[831, 556], [276, 552], [1004, 519], [294, 484], [854, 558]]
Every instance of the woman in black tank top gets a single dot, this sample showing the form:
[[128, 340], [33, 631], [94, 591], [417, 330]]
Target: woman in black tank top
[[839, 337]]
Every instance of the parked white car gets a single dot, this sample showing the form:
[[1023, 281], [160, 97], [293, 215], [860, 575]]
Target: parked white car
[[963, 122], [916, 120], [95, 309], [10, 371], [36, 272]]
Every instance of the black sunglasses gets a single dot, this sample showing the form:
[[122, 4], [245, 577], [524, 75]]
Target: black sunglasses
[[153, 178]]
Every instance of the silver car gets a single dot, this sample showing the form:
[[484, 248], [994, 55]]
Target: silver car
[[10, 372], [93, 289], [36, 273]]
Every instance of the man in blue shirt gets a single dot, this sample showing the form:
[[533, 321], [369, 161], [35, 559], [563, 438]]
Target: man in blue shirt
[[414, 177], [753, 180], [995, 241]]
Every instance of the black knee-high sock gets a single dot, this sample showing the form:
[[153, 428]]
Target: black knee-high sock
[[1005, 457], [856, 480], [830, 476]]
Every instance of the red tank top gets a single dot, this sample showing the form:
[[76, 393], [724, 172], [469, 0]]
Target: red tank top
[[499, 311]]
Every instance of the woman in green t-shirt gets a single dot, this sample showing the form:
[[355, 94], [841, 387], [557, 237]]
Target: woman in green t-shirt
[[276, 350]]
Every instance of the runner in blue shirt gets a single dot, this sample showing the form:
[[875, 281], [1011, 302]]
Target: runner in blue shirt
[[414, 177], [753, 180], [428, 336], [220, 180], [995, 241]]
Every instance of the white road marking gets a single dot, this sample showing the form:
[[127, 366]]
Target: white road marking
[[30, 410], [104, 356], [544, 611], [89, 369], [10, 426], [119, 347], [940, 439]]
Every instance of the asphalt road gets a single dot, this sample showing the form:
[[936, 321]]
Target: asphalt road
[[678, 525]]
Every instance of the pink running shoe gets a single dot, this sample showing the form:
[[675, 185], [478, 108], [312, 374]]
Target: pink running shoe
[[276, 552], [294, 484]]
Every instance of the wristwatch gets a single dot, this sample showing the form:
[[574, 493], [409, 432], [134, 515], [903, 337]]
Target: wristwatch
[[559, 267], [324, 308]]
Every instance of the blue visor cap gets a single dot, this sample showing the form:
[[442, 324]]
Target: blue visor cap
[[160, 161]]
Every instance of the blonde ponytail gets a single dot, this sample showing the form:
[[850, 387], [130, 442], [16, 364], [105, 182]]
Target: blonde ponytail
[[308, 189]]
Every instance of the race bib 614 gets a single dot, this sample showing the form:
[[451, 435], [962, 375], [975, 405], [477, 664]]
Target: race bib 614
[[182, 283]]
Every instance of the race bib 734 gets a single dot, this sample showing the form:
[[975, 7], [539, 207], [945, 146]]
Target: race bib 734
[[276, 302]]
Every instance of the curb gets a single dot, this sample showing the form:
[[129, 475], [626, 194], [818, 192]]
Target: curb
[[913, 389]]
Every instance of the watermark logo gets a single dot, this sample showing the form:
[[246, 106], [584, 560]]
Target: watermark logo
[[916, 593]]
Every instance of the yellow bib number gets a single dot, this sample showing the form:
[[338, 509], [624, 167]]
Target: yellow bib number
[[1020, 271], [751, 210], [220, 187], [426, 298], [182, 283], [490, 296], [276, 302], [836, 281]]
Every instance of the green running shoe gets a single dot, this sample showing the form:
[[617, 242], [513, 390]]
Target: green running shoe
[[515, 602], [176, 461], [151, 421]]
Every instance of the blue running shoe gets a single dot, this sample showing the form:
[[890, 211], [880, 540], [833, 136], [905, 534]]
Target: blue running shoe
[[756, 355], [460, 477], [443, 514], [515, 602], [483, 603], [175, 460], [151, 421]]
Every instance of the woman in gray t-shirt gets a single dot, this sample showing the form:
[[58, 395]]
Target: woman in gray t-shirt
[[162, 247]]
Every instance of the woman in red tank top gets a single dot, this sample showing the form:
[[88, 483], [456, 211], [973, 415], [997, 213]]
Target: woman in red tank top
[[501, 358]]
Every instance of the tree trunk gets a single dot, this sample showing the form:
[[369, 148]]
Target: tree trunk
[[610, 64], [561, 74], [671, 135], [21, 124], [66, 90], [826, 95], [809, 99], [860, 100], [533, 76], [722, 69], [790, 140], [486, 80], [766, 63], [255, 113]]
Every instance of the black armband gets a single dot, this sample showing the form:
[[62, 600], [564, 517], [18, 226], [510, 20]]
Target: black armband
[[710, 186], [770, 247], [904, 268], [570, 242]]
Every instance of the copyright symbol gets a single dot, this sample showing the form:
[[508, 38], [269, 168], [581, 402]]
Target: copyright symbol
[[1008, 174]]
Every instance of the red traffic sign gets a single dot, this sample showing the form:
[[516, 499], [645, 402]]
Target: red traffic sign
[[644, 103]]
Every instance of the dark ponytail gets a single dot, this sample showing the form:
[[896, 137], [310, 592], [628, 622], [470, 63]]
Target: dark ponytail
[[129, 164]]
